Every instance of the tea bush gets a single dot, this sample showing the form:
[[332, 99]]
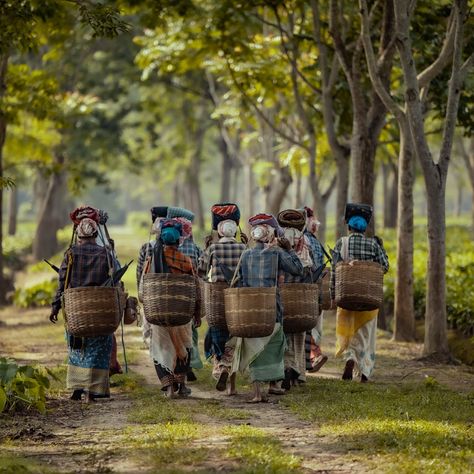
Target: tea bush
[[22, 387], [35, 296]]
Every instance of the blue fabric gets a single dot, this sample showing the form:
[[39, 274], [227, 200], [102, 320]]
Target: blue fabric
[[94, 354], [216, 338], [170, 235], [357, 223], [316, 249], [191, 250]]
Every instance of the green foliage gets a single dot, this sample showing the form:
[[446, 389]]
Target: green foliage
[[459, 274], [409, 428], [22, 387], [139, 220], [15, 249], [38, 295]]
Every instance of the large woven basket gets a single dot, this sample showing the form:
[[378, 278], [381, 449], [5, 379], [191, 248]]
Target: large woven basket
[[359, 285], [325, 292], [93, 310], [214, 304], [169, 299], [250, 312], [300, 306]]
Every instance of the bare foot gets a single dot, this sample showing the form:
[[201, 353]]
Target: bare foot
[[170, 392], [231, 390]]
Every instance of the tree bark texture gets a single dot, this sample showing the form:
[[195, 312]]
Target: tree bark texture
[[12, 211], [3, 134], [45, 243], [404, 312]]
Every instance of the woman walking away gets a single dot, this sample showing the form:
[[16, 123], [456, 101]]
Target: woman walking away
[[170, 347], [260, 267], [218, 263], [315, 358], [356, 330], [86, 264], [188, 247], [293, 223]]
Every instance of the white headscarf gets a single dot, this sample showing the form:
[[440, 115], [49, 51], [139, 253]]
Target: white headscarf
[[155, 228], [227, 228], [263, 233], [87, 228]]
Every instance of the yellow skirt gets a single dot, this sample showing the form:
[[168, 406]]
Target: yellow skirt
[[348, 323]]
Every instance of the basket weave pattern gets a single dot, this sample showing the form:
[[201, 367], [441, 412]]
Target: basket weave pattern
[[93, 310], [300, 306], [214, 304], [325, 292], [359, 285], [250, 312], [169, 299]]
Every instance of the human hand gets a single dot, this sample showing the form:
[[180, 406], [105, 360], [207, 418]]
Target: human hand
[[53, 317], [284, 243]]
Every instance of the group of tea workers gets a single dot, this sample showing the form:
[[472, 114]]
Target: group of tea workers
[[279, 250]]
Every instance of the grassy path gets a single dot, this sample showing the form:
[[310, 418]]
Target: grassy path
[[413, 418]]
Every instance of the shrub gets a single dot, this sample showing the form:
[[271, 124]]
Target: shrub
[[459, 275], [15, 249], [38, 295], [22, 387], [139, 220]]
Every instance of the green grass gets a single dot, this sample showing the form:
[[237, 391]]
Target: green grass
[[422, 427], [258, 452], [18, 465], [216, 410]]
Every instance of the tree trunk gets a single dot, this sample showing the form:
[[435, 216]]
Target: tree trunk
[[248, 188], [45, 243], [319, 203], [459, 196], [13, 211], [298, 194], [276, 190], [3, 134], [390, 197], [436, 341], [342, 195], [404, 315], [226, 170]]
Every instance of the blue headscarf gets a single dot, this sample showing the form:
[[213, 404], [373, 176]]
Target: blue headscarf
[[170, 231], [357, 223]]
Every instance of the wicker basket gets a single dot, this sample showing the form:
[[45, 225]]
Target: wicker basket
[[300, 306], [169, 299], [93, 310], [359, 285], [325, 292], [250, 312], [213, 302]]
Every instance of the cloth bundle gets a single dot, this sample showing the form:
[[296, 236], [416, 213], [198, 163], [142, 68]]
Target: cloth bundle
[[84, 212], [267, 219], [158, 211], [358, 209], [179, 212], [224, 211], [292, 218]]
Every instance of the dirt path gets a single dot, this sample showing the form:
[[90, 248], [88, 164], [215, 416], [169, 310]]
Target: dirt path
[[73, 437]]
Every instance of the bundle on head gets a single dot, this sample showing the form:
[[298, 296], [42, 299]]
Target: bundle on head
[[158, 211], [224, 211], [180, 212], [292, 218], [82, 212], [358, 209], [87, 228], [266, 219]]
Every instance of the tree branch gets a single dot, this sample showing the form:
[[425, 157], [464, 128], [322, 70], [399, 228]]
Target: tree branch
[[384, 95], [327, 194]]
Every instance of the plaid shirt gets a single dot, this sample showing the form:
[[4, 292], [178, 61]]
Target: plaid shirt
[[177, 261], [261, 266], [316, 248], [90, 267], [225, 253], [145, 250], [189, 248], [360, 248]]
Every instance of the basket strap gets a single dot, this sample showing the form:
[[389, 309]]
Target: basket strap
[[236, 272], [345, 248]]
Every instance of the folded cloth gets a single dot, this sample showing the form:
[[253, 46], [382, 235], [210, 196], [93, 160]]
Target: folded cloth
[[292, 218], [158, 211], [180, 212], [267, 219], [224, 211], [84, 211], [358, 209]]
